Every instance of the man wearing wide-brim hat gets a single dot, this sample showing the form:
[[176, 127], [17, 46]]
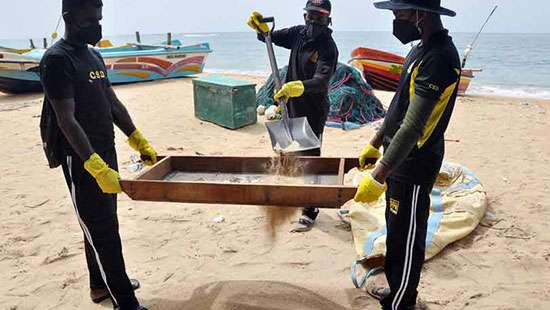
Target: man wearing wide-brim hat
[[414, 145]]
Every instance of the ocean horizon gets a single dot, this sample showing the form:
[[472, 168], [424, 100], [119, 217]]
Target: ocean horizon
[[513, 64]]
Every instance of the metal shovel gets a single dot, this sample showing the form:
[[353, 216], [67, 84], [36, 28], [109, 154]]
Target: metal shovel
[[289, 135]]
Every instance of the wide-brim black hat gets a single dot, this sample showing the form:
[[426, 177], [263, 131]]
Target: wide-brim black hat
[[432, 6]]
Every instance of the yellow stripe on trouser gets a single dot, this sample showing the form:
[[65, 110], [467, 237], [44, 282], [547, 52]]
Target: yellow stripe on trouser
[[437, 112]]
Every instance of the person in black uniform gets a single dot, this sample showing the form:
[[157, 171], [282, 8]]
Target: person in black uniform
[[313, 61], [77, 127], [414, 145]]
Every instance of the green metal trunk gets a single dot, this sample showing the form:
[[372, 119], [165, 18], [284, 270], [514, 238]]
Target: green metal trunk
[[225, 101]]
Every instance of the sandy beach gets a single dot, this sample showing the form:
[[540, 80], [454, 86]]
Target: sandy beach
[[185, 260]]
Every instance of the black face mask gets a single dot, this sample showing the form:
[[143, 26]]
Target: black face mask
[[89, 34], [314, 30], [405, 31]]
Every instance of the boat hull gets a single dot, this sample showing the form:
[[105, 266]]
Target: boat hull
[[17, 77], [383, 70], [140, 69], [128, 64], [16, 86]]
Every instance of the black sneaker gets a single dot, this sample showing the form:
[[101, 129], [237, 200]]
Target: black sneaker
[[140, 307], [304, 224], [99, 295]]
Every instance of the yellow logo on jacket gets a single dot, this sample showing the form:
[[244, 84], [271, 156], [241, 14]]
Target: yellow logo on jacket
[[433, 87], [314, 57], [394, 206], [95, 75]]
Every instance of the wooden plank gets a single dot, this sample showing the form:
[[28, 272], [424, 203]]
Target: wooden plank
[[240, 194], [351, 163], [221, 164], [157, 172], [320, 165], [342, 171], [230, 164]]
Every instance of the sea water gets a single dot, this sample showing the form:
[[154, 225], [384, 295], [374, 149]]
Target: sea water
[[516, 65]]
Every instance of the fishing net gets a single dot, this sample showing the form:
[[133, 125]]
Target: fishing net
[[352, 102], [265, 94], [352, 99]]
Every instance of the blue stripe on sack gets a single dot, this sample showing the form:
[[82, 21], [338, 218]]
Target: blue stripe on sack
[[369, 273], [369, 244], [435, 217]]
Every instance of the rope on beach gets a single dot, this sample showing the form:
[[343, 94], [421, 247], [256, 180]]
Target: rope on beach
[[351, 98]]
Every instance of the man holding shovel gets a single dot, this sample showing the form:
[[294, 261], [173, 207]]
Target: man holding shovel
[[313, 61]]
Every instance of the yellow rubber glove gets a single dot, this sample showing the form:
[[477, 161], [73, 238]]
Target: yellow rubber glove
[[107, 178], [138, 142], [291, 90], [370, 190], [254, 23], [368, 157]]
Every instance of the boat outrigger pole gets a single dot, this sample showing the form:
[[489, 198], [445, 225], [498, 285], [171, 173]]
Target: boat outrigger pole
[[55, 34], [470, 47]]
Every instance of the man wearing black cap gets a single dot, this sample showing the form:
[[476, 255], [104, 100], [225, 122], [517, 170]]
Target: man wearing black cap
[[413, 139], [313, 61], [79, 111]]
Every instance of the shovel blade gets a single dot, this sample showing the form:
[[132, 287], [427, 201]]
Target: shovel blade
[[299, 135]]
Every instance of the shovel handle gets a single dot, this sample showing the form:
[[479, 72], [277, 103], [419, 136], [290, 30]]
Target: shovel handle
[[268, 20], [275, 71], [271, 54]]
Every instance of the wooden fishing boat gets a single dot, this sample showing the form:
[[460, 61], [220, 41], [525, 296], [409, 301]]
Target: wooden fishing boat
[[383, 70], [19, 73], [14, 50], [131, 63]]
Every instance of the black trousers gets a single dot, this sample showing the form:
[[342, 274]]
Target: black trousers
[[97, 216], [407, 212]]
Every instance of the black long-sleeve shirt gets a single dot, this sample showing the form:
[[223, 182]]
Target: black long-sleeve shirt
[[313, 62], [414, 128]]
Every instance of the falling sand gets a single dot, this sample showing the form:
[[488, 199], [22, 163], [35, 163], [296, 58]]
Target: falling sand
[[286, 166], [282, 169]]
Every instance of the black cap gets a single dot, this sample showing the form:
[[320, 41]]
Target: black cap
[[75, 4], [321, 6], [432, 6]]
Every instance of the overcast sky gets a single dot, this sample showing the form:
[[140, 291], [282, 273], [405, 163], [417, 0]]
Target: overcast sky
[[37, 18]]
